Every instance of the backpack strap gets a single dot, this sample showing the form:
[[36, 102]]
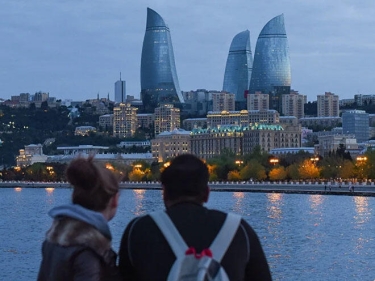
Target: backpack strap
[[225, 236], [170, 232]]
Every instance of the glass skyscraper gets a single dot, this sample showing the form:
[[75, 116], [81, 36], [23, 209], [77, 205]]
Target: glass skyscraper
[[238, 69], [271, 68], [159, 82], [356, 122]]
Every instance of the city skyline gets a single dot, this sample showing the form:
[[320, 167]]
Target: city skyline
[[75, 51]]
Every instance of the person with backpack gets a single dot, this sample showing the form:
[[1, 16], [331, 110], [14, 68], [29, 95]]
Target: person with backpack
[[78, 244], [188, 241]]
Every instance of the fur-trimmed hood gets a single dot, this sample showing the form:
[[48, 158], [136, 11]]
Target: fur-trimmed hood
[[74, 225]]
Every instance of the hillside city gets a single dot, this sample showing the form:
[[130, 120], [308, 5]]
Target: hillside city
[[255, 128]]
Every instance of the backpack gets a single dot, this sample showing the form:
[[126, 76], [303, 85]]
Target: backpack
[[189, 265]]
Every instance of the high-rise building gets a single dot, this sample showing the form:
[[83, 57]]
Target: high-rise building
[[258, 101], [159, 82], [356, 122], [124, 120], [223, 101], [271, 72], [198, 102], [167, 118], [120, 91], [328, 105], [293, 104], [238, 69]]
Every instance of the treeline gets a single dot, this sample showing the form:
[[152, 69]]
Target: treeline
[[257, 166]]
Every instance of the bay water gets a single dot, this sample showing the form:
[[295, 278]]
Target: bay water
[[305, 237]]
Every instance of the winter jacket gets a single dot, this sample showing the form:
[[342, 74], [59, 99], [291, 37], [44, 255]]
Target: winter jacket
[[77, 247]]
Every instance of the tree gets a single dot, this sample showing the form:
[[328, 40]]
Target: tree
[[278, 173], [347, 170], [308, 170], [234, 175], [253, 170]]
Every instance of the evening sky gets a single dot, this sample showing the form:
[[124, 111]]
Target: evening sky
[[75, 49]]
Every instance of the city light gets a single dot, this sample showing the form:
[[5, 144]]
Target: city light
[[274, 161]]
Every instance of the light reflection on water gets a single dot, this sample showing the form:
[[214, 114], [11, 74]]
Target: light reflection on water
[[305, 237]]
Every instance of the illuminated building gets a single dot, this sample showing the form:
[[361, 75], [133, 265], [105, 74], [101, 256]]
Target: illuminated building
[[271, 67], [238, 68], [167, 118], [159, 81], [124, 120]]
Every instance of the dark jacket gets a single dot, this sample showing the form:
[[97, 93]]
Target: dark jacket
[[77, 250], [145, 254]]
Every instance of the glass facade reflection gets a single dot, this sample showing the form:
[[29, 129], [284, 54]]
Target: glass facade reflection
[[238, 69], [159, 82], [271, 72]]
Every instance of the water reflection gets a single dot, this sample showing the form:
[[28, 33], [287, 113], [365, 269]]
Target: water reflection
[[316, 203], [362, 211], [238, 204], [50, 196], [139, 195], [274, 208]]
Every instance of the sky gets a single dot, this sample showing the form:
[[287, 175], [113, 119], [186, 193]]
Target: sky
[[76, 49]]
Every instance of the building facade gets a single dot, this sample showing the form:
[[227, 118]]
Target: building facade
[[124, 120], [223, 101], [159, 81], [330, 143], [271, 68], [271, 136], [238, 68], [325, 122], [170, 144], [33, 153], [193, 123], [356, 122], [84, 130], [269, 116], [106, 121], [293, 104], [145, 120], [258, 101], [328, 105], [167, 118], [220, 118], [210, 142], [197, 103]]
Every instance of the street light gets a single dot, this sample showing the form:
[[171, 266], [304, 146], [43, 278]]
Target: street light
[[314, 159], [361, 159], [239, 162], [274, 161]]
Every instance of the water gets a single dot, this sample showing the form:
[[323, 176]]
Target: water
[[305, 237]]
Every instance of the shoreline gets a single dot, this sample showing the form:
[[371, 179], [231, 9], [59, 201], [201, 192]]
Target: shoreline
[[265, 187]]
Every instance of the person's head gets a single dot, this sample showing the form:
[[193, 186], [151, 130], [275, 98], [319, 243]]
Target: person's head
[[185, 179], [94, 187]]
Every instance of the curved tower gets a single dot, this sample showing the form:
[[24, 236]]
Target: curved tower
[[159, 82], [271, 68], [238, 69]]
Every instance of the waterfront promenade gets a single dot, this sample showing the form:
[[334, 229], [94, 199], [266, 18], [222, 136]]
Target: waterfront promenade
[[328, 188]]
